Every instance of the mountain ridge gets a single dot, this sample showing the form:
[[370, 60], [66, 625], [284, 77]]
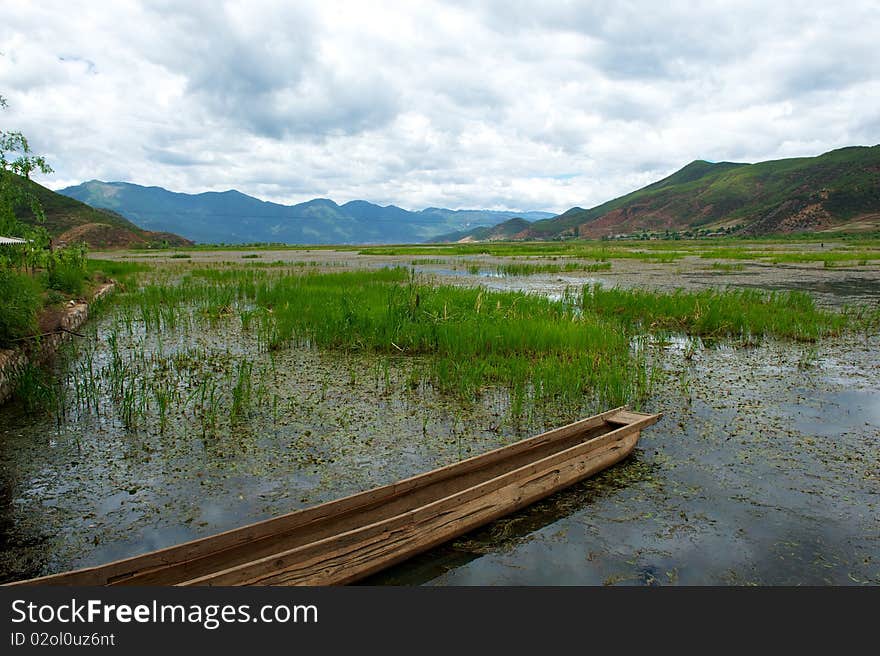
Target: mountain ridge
[[68, 220], [234, 217], [802, 194]]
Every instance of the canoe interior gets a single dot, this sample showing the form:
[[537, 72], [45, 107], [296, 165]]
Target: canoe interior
[[312, 529]]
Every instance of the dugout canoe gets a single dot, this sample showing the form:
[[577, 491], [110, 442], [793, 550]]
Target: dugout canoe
[[348, 539]]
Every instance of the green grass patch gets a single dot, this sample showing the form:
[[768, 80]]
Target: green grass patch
[[581, 352], [68, 278], [738, 314], [474, 338], [465, 340], [778, 249], [462, 340], [123, 272], [116, 268], [829, 258], [529, 269], [21, 302]]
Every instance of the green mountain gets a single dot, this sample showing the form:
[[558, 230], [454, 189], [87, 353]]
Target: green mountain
[[69, 220], [233, 217], [835, 191]]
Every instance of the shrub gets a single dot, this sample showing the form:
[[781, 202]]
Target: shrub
[[67, 277], [19, 304]]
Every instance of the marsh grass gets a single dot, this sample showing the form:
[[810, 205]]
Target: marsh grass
[[730, 313], [829, 258], [461, 341], [241, 391], [598, 251], [727, 267], [116, 267], [529, 269], [569, 355], [779, 250], [36, 389]]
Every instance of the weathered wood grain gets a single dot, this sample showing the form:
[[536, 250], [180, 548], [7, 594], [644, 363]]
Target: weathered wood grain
[[349, 538]]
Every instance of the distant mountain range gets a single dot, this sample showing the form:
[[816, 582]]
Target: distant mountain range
[[233, 217], [839, 190], [69, 220]]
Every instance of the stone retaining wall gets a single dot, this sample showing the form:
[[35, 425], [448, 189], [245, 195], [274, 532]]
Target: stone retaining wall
[[12, 360]]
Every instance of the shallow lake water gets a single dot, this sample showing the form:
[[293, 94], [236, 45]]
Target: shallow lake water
[[765, 467], [764, 470], [95, 488]]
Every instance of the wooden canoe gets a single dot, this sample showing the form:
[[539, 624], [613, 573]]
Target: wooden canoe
[[348, 539]]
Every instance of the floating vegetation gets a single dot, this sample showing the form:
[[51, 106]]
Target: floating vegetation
[[273, 385], [572, 353]]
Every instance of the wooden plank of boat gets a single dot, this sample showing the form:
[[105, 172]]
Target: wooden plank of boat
[[347, 539]]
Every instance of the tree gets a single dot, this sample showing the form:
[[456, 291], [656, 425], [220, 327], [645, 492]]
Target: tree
[[17, 160]]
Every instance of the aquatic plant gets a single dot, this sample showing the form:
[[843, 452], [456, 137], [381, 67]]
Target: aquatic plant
[[574, 354], [35, 389], [736, 313], [528, 269], [725, 266]]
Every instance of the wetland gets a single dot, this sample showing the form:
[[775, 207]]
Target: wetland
[[230, 386]]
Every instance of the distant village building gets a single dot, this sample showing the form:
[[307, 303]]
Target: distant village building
[[11, 241]]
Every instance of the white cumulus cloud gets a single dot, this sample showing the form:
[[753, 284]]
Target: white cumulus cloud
[[505, 105]]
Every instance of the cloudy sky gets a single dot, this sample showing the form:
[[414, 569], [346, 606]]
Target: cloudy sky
[[513, 105]]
